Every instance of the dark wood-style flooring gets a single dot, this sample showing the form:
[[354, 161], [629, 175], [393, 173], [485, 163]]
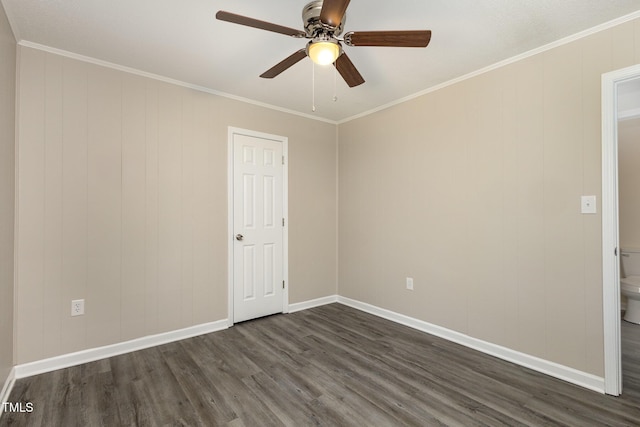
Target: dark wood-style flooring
[[331, 365]]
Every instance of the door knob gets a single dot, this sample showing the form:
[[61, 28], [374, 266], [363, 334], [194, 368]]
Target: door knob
[[239, 237]]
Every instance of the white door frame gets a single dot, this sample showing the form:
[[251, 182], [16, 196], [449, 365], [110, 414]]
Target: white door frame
[[285, 213], [610, 234]]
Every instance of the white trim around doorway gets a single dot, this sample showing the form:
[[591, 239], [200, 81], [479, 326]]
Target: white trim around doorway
[[285, 213], [610, 234]]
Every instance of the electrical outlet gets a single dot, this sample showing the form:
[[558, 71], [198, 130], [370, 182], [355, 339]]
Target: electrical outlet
[[410, 283], [77, 307]]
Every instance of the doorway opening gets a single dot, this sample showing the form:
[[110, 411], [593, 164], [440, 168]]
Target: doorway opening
[[611, 84]]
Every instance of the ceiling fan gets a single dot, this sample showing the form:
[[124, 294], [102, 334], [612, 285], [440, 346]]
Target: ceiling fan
[[323, 24]]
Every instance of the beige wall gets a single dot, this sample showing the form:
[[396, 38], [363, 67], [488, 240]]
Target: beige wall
[[7, 171], [122, 201], [474, 191], [629, 181]]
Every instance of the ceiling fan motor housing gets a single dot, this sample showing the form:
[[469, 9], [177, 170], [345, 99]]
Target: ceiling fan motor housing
[[312, 24]]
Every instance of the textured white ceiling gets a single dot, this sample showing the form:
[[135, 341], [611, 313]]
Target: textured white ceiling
[[182, 40]]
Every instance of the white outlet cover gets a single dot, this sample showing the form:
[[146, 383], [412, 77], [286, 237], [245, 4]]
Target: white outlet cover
[[77, 307], [588, 204]]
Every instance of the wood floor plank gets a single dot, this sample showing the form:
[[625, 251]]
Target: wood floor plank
[[132, 401], [327, 366], [168, 402], [286, 406], [198, 389]]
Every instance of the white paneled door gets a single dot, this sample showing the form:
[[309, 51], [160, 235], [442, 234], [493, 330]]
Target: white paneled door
[[258, 227]]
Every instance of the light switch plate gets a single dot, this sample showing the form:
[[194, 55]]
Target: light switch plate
[[410, 283], [588, 204]]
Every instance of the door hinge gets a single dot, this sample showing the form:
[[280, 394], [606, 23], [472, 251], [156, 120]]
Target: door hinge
[[283, 284], [283, 222], [283, 160], [615, 251]]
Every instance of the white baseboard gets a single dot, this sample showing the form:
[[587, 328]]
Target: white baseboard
[[553, 369], [312, 303], [93, 354], [7, 387]]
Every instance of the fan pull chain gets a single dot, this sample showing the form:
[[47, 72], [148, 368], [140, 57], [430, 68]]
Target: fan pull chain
[[313, 87]]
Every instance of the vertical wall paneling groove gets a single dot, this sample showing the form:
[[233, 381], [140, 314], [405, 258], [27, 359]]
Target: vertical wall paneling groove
[[510, 201], [30, 157], [134, 170], [202, 222], [187, 231], [152, 173], [170, 211], [105, 207], [596, 60], [53, 164], [74, 202]]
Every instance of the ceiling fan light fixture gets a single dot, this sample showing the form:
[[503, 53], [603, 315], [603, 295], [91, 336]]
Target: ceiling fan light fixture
[[323, 52]]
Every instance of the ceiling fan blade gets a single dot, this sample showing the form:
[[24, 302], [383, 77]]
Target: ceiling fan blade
[[332, 11], [348, 71], [419, 38], [256, 23], [284, 64]]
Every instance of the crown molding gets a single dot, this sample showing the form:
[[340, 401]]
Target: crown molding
[[164, 79], [513, 59]]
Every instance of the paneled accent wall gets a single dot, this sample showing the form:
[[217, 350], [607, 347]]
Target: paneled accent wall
[[122, 201], [7, 205], [474, 191]]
